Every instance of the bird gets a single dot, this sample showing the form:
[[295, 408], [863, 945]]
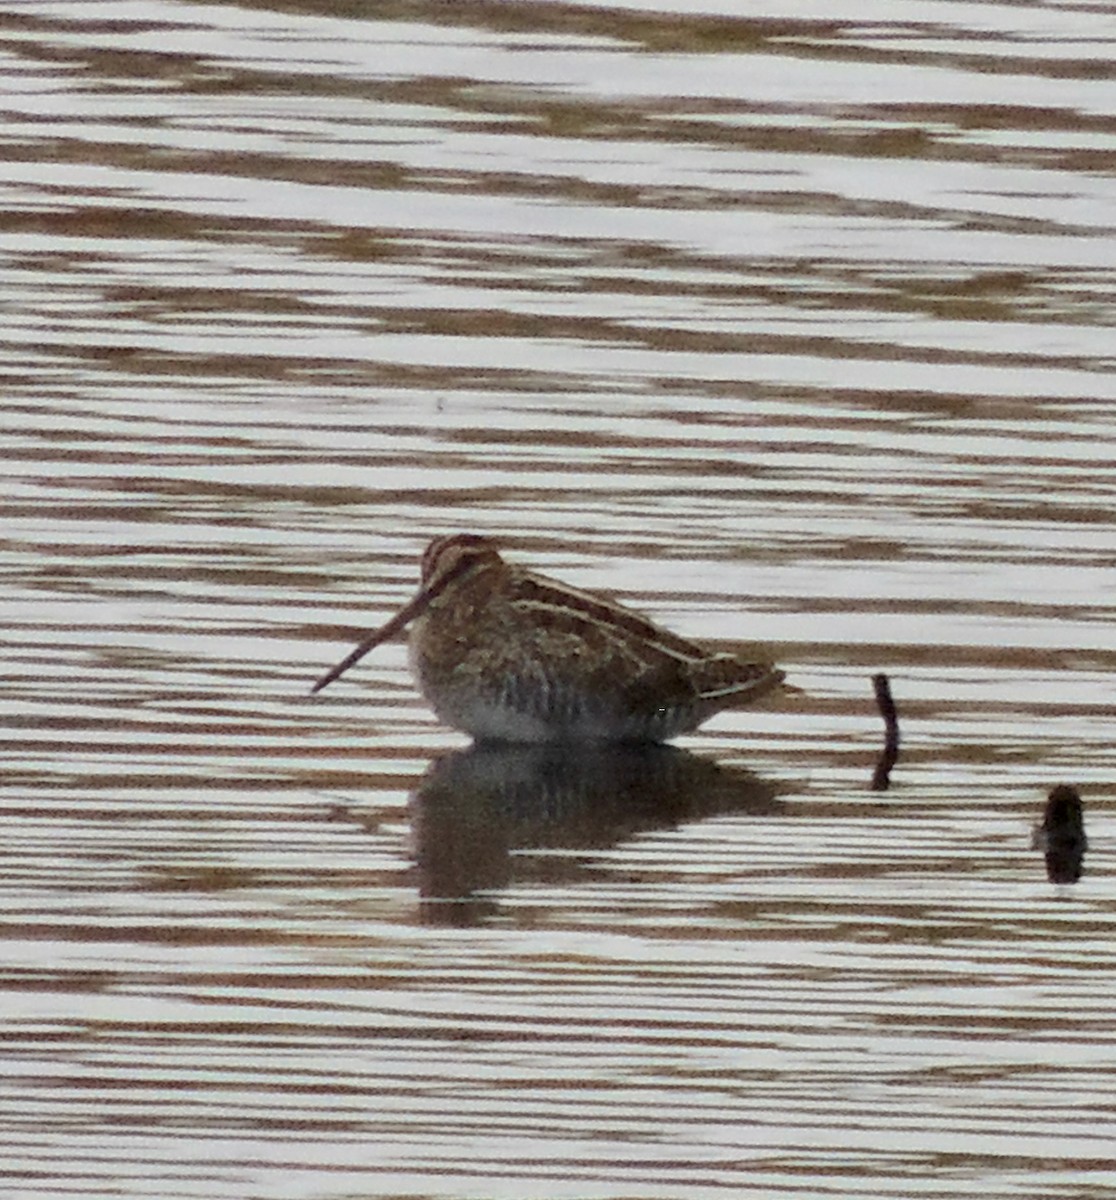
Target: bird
[[507, 655]]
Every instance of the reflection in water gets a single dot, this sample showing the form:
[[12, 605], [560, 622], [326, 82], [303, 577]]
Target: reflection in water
[[1061, 835], [475, 812]]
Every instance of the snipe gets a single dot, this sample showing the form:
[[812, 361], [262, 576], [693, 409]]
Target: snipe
[[507, 655]]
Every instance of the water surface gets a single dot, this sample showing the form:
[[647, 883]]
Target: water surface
[[785, 324]]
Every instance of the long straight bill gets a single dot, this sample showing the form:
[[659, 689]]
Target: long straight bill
[[403, 617], [408, 613]]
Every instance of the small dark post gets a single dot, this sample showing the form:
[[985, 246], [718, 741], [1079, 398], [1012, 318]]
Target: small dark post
[[881, 779], [1061, 835]]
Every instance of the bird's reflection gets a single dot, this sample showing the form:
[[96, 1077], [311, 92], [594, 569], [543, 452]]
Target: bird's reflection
[[476, 811]]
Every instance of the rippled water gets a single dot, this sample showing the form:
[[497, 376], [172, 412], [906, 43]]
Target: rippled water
[[780, 323]]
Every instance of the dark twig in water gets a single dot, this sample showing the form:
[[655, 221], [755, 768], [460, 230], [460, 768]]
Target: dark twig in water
[[890, 755]]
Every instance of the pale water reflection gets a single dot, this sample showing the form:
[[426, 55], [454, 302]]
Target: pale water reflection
[[778, 323]]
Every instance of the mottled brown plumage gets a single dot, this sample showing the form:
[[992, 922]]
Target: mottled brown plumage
[[505, 654]]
